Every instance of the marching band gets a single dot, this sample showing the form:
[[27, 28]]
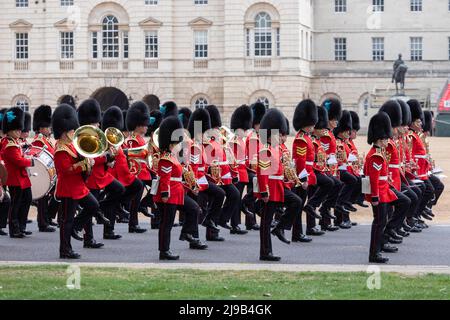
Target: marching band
[[114, 165]]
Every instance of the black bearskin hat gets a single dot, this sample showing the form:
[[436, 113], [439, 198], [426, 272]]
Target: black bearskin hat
[[394, 111], [169, 109], [272, 120], [112, 117], [199, 115], [214, 114], [64, 119], [428, 121], [168, 126], [124, 115], [155, 120], [137, 116], [356, 125], [42, 117], [416, 110], [13, 119], [259, 110], [184, 114], [322, 116], [89, 112], [379, 128], [288, 128], [345, 124], [241, 118], [27, 122], [406, 113], [2, 115], [305, 115], [334, 108]]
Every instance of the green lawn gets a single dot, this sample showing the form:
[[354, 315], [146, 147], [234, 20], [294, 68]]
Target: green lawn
[[49, 282]]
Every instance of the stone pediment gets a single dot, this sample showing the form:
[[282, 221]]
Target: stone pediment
[[200, 23], [150, 23], [65, 24], [21, 24]]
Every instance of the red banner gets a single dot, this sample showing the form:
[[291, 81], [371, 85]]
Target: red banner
[[444, 104]]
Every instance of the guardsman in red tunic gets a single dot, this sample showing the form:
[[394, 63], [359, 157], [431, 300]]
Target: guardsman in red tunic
[[220, 171], [137, 122], [303, 151], [419, 156], [343, 206], [271, 186], [241, 122], [99, 179], [47, 206], [211, 196], [379, 195], [71, 188], [16, 164], [119, 169], [4, 196], [403, 203], [252, 146], [170, 195]]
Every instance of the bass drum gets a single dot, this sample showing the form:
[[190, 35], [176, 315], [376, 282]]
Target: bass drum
[[43, 174]]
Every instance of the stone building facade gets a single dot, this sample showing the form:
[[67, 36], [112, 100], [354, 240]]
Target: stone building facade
[[226, 53]]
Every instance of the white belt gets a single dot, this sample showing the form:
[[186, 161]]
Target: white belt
[[276, 178], [201, 169], [421, 156], [180, 179], [240, 161], [309, 163], [394, 166], [223, 163], [383, 178]]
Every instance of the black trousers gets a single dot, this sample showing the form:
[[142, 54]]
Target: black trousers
[[167, 215], [414, 194], [400, 208], [113, 193], [191, 210], [250, 220], [47, 208], [18, 210], [438, 188], [249, 198], [267, 213], [211, 202], [378, 227], [331, 200], [147, 201], [83, 220], [428, 194], [68, 222], [350, 183], [357, 194], [132, 196], [321, 190], [4, 208], [296, 204], [232, 206]]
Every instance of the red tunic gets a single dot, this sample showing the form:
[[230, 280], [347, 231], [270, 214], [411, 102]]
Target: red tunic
[[252, 147], [304, 153], [216, 154], [237, 146], [376, 168], [419, 155], [70, 182], [270, 174], [40, 141], [320, 160], [328, 142], [353, 167], [121, 171], [170, 174], [16, 164], [99, 177], [393, 156], [134, 141]]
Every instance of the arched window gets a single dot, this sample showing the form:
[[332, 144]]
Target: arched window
[[22, 102], [110, 37], [200, 103], [263, 35]]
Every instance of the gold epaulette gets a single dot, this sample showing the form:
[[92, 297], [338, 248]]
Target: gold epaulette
[[12, 143], [62, 147], [301, 137], [132, 138], [166, 156], [379, 153]]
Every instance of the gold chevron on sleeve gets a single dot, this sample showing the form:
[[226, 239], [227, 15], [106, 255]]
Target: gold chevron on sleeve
[[264, 164], [301, 151]]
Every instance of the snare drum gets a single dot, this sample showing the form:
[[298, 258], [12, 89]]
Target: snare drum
[[43, 174]]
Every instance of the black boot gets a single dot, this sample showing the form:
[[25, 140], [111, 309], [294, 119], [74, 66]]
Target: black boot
[[279, 233], [69, 255], [136, 229], [92, 244], [269, 257], [378, 258], [167, 255]]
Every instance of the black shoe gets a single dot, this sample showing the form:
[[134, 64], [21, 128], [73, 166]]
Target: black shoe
[[314, 232], [426, 216], [415, 230], [350, 207], [237, 230], [154, 226], [76, 235], [111, 236], [27, 233], [362, 204], [69, 255], [47, 229], [394, 241], [255, 227], [29, 221], [341, 209], [123, 220], [301, 238], [327, 213], [176, 225], [208, 223], [167, 255], [402, 233], [269, 257], [215, 239], [92, 244], [331, 228], [3, 233], [394, 235], [19, 235], [144, 211], [101, 219], [225, 225], [136, 229], [246, 211], [354, 224], [388, 248], [187, 237], [198, 245], [378, 258], [345, 225], [311, 212], [422, 225], [52, 224], [279, 233], [406, 227]]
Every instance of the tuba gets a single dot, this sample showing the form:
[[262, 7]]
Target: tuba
[[114, 137], [90, 141]]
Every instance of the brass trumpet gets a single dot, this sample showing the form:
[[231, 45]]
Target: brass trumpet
[[90, 142]]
